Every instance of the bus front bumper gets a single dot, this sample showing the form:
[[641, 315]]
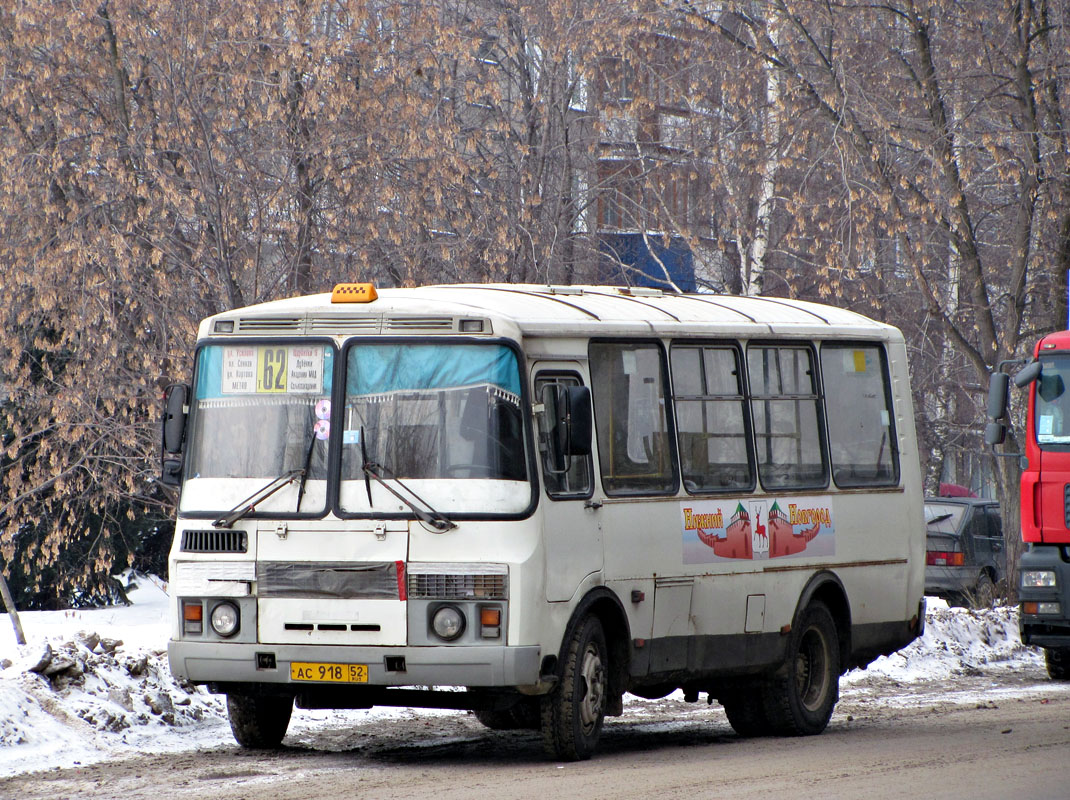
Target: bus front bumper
[[233, 662]]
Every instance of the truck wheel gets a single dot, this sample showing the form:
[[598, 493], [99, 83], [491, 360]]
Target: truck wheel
[[805, 689], [745, 710], [572, 714], [259, 722], [1057, 660]]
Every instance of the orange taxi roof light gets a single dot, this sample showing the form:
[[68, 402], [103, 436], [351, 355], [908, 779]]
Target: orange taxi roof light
[[354, 293]]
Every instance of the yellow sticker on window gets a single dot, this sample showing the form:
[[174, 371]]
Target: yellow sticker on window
[[854, 361]]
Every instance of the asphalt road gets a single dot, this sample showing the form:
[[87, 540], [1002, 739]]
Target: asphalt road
[[977, 736]]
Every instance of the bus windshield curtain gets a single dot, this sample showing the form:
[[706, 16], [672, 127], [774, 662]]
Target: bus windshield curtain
[[378, 369]]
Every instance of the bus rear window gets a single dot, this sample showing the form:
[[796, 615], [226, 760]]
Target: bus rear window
[[857, 397]]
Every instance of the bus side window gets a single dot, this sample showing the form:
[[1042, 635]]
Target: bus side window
[[786, 410], [635, 449], [575, 481], [861, 433], [711, 418]]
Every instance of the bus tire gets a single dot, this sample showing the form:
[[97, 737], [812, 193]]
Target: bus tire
[[1057, 660], [803, 692], [573, 713], [745, 710], [524, 716], [259, 722]]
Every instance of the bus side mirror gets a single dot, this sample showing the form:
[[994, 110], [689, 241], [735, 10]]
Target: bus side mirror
[[568, 417], [580, 421], [176, 409]]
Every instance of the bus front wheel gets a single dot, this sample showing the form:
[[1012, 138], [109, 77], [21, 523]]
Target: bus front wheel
[[259, 722], [524, 716], [573, 713], [802, 694], [1057, 660]]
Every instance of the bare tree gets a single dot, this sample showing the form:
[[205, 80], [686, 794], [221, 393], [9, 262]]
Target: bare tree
[[162, 162], [945, 136]]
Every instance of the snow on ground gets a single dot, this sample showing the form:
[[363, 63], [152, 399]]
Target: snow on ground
[[92, 685]]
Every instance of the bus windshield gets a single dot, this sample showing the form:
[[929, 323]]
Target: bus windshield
[[1053, 401], [259, 411], [444, 419]]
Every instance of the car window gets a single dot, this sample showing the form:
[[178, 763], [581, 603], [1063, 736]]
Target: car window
[[943, 517], [977, 525], [995, 523]]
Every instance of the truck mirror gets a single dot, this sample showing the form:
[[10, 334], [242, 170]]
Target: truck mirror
[[1027, 375], [995, 433], [997, 396]]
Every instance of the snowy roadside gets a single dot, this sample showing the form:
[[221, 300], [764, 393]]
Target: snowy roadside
[[93, 685]]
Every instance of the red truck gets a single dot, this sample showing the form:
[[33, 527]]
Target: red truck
[[1044, 569]]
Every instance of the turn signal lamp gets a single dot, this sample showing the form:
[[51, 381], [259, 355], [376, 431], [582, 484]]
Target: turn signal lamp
[[490, 622], [192, 618], [1035, 609], [354, 293]]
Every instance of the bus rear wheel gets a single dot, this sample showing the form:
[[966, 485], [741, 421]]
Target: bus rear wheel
[[259, 722], [803, 692], [573, 713]]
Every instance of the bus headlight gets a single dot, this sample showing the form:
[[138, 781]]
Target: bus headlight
[[225, 619], [448, 623], [1038, 579]]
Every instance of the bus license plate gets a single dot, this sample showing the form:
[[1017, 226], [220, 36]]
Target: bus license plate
[[332, 673]]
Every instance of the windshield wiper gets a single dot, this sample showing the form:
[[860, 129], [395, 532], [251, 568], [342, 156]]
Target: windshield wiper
[[438, 521], [364, 466], [305, 471], [248, 505], [435, 519]]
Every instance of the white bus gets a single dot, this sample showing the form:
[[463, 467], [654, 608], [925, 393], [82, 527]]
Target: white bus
[[526, 501]]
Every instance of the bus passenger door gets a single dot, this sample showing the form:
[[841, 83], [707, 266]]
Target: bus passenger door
[[571, 523]]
